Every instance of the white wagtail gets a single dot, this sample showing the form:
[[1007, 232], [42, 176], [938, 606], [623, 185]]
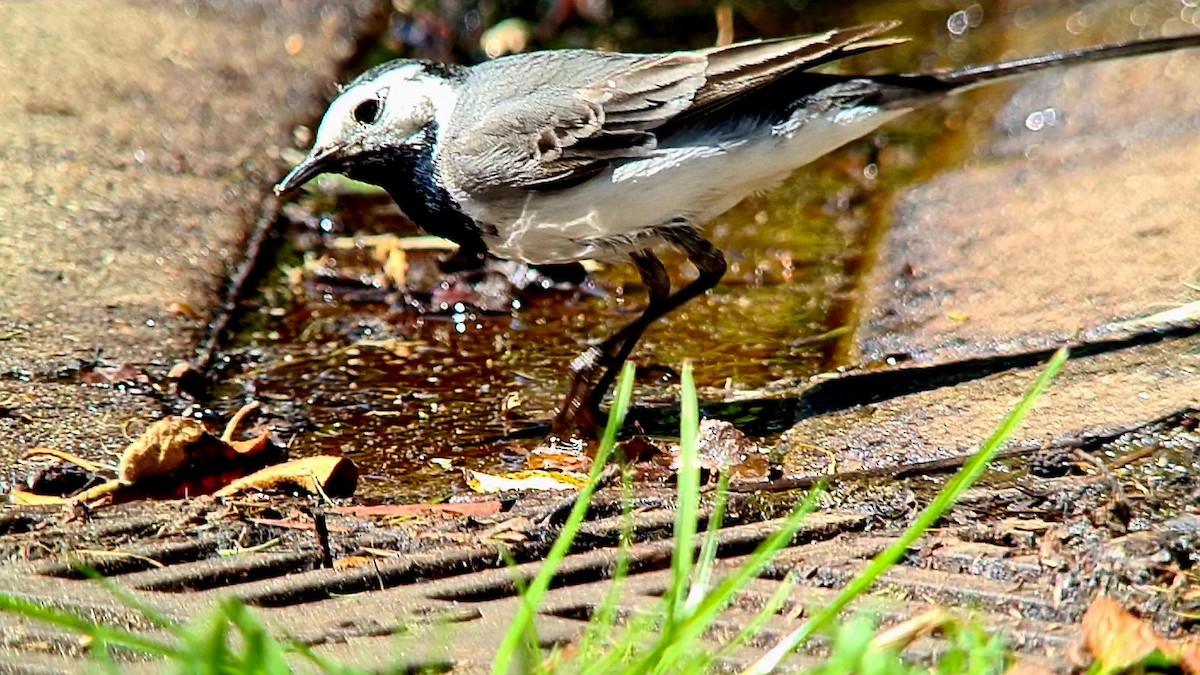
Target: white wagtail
[[560, 156]]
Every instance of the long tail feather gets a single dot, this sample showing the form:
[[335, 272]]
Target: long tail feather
[[977, 75]]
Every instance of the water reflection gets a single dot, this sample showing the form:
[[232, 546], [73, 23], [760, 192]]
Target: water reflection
[[358, 369]]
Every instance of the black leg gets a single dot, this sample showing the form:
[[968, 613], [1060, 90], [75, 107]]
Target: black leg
[[581, 408], [577, 413], [465, 259]]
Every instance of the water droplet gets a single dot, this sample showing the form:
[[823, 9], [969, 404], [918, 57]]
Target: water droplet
[[958, 23], [1041, 119]]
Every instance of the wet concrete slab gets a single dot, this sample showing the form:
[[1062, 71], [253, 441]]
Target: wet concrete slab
[[138, 140], [1094, 395], [1076, 210], [1073, 212]]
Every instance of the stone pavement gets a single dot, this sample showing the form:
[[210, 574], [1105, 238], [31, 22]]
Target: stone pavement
[[138, 142], [1077, 211]]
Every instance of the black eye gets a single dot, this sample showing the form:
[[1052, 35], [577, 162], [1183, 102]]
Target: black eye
[[367, 111]]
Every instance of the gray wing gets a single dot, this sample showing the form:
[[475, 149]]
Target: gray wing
[[549, 120]]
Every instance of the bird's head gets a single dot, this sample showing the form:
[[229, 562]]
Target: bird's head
[[389, 111]]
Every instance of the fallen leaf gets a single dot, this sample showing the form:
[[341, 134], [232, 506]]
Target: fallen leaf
[[23, 498], [86, 465], [1120, 641], [173, 443], [397, 510], [234, 422], [899, 636], [251, 446], [112, 375], [106, 491], [487, 483], [167, 445], [333, 476], [352, 562], [556, 460]]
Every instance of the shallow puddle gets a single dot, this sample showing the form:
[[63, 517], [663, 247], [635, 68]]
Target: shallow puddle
[[396, 379]]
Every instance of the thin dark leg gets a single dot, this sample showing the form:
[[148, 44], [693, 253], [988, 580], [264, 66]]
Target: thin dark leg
[[580, 410], [658, 286], [465, 259], [576, 412]]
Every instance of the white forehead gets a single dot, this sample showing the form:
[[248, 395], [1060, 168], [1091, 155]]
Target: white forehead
[[400, 89]]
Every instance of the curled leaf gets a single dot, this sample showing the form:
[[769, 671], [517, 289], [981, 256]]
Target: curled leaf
[[1120, 641], [487, 483], [333, 476]]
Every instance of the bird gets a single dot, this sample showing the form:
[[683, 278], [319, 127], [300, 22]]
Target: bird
[[560, 156]]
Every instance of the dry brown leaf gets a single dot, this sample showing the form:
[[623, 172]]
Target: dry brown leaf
[[234, 422], [251, 446], [23, 498], [108, 490], [1120, 641], [173, 443], [487, 483], [167, 445], [901, 635], [352, 562], [70, 458], [334, 476]]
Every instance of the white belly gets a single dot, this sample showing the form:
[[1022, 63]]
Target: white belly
[[692, 178]]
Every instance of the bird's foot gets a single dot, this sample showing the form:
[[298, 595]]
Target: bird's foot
[[579, 413], [578, 417], [462, 260]]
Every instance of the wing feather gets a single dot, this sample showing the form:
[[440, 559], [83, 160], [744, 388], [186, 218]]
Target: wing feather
[[549, 120]]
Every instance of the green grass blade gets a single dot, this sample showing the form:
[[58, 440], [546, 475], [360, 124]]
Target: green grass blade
[[711, 606], [128, 599], [760, 620], [941, 504], [688, 507], [541, 583], [527, 649], [110, 636], [708, 551], [262, 653], [600, 627]]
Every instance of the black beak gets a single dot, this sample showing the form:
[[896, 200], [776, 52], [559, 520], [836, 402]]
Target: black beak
[[316, 163]]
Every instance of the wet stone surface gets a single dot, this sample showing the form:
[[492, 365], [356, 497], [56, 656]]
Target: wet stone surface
[[1000, 244], [1121, 389], [136, 159]]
